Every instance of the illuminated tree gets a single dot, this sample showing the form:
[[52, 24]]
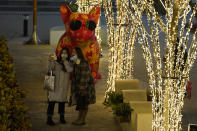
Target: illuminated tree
[[121, 38], [167, 79]]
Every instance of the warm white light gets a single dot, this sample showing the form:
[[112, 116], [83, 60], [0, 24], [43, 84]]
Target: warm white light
[[121, 39], [167, 84]]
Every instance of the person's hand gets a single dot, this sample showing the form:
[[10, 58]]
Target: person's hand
[[64, 58], [52, 56]]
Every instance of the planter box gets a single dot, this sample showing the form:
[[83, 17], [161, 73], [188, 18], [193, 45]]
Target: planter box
[[122, 119], [141, 117], [134, 95], [124, 124]]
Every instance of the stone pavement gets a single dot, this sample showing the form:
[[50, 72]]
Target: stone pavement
[[31, 65]]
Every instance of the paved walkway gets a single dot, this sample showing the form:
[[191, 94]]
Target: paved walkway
[[31, 65]]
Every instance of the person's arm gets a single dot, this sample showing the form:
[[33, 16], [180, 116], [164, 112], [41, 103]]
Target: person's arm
[[51, 64]]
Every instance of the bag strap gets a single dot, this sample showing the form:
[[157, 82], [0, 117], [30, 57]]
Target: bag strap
[[51, 73]]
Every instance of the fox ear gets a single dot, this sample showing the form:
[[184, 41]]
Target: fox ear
[[95, 13], [65, 13]]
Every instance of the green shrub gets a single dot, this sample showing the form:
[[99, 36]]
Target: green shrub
[[122, 109], [12, 109], [113, 98], [119, 108]]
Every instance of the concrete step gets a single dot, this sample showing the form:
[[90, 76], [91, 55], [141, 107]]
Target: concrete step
[[141, 117], [141, 106], [132, 84], [134, 95]]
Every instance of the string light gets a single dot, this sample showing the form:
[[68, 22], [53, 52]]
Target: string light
[[168, 88], [121, 39], [167, 82]]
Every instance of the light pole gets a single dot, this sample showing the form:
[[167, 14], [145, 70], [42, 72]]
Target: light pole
[[34, 38]]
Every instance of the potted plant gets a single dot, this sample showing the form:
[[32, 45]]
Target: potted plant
[[122, 112], [113, 98]]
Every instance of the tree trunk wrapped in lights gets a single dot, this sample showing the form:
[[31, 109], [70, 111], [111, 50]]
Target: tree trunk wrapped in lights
[[167, 79], [121, 38]]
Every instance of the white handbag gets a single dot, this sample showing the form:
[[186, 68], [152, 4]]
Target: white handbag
[[49, 82]]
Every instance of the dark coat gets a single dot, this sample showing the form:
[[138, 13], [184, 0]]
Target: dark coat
[[82, 83]]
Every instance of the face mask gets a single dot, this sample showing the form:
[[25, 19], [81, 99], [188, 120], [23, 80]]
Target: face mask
[[64, 55], [73, 58]]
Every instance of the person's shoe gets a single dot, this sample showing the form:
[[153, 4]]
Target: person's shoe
[[78, 123], [62, 120], [50, 121]]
